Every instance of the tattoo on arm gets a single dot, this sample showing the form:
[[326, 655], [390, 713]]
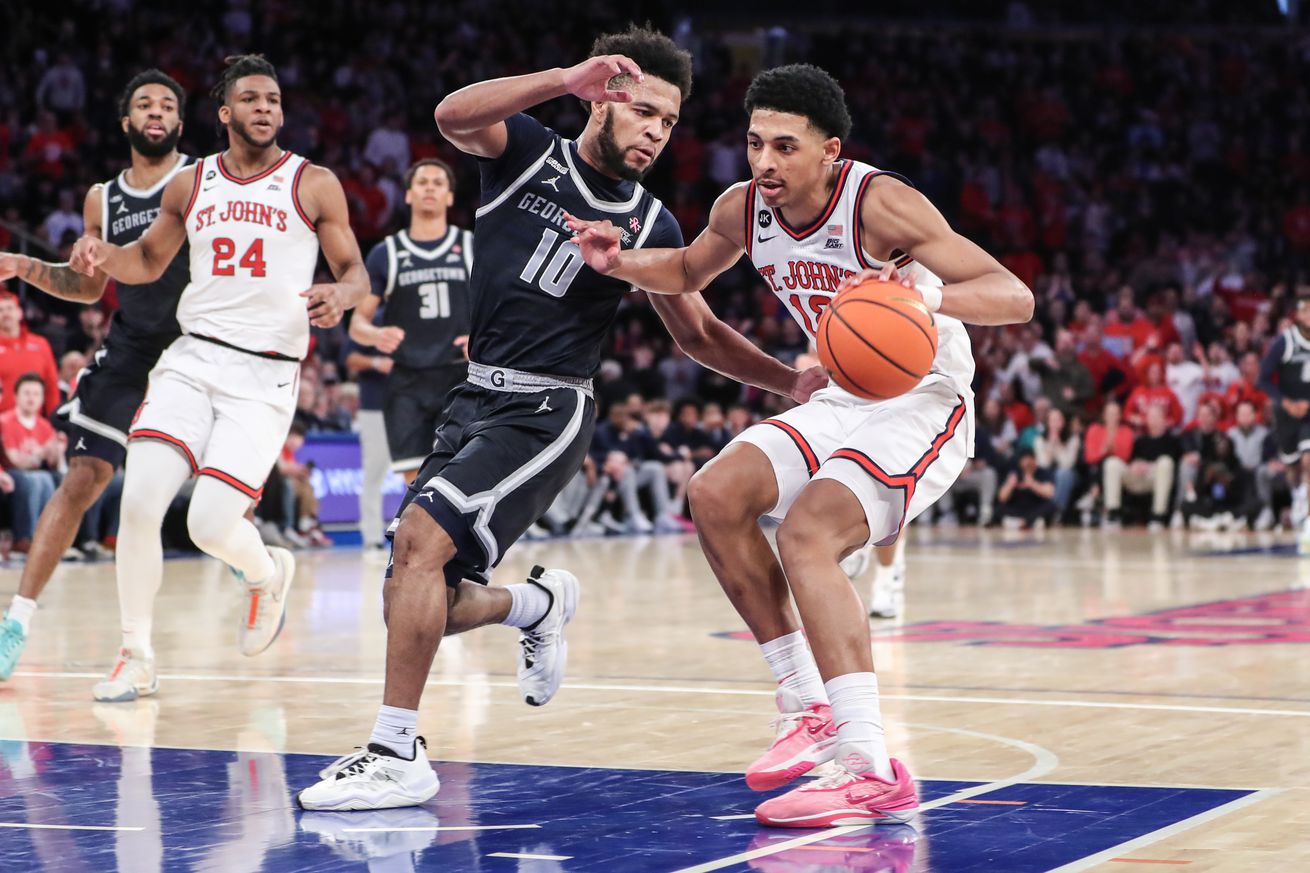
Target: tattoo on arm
[[59, 280]]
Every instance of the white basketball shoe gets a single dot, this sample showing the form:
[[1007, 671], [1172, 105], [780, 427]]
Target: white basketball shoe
[[854, 564], [543, 651], [266, 604], [133, 676], [373, 778]]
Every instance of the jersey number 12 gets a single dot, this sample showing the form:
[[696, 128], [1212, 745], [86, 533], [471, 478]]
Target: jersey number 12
[[556, 274]]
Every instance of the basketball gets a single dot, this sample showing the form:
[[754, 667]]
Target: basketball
[[877, 339]]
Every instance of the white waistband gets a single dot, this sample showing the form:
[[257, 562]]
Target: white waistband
[[505, 379]]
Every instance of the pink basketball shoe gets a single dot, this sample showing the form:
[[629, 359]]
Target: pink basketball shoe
[[852, 795], [805, 739]]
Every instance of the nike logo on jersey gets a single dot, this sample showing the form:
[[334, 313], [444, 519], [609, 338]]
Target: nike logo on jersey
[[283, 384], [544, 407], [763, 239]]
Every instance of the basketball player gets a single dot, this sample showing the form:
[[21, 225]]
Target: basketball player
[[420, 278], [1285, 377], [519, 429], [111, 387], [221, 398], [839, 471]]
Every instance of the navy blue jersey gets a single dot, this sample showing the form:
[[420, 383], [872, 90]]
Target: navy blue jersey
[[536, 306], [1285, 369], [424, 290], [146, 313]]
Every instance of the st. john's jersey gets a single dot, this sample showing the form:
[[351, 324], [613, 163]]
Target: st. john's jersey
[[253, 250], [804, 266]]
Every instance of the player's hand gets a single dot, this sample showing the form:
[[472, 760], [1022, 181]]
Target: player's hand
[[389, 339], [10, 265], [89, 252], [383, 364], [807, 382], [323, 303], [599, 241], [888, 273], [462, 343], [6, 483], [590, 79]]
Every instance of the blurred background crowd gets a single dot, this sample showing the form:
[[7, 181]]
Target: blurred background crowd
[[1149, 181]]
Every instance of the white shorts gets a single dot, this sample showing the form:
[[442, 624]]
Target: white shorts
[[906, 451], [228, 411]]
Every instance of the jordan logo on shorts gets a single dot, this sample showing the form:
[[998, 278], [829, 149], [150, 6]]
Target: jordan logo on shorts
[[544, 407], [81, 445]]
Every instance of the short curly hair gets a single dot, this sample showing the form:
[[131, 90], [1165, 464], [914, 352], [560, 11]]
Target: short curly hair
[[240, 66], [802, 89], [151, 77], [655, 53]]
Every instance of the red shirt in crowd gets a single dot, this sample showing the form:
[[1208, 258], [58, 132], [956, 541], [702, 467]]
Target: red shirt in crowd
[[1099, 444], [1137, 331], [19, 439], [1243, 390], [28, 353], [1144, 397]]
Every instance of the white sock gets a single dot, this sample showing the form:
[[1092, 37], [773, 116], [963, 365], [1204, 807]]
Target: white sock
[[396, 729], [792, 663], [21, 610], [529, 604], [858, 717]]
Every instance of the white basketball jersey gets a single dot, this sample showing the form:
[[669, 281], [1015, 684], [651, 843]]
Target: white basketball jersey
[[253, 250], [805, 265]]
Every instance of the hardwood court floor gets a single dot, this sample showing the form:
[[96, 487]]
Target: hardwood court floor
[[1064, 699]]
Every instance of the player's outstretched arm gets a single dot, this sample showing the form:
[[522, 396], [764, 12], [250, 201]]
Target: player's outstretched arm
[[978, 290], [473, 118], [146, 259], [60, 280], [366, 333], [669, 271], [713, 344], [326, 203]]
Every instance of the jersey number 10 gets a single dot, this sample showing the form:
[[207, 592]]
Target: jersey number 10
[[558, 274]]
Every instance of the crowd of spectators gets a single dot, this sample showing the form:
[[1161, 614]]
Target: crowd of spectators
[[1152, 186]]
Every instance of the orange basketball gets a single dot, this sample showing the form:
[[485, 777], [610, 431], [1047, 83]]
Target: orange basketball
[[877, 339]]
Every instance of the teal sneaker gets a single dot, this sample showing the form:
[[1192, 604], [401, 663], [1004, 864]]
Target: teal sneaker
[[12, 640]]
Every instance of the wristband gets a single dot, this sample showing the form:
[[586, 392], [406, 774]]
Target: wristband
[[931, 294]]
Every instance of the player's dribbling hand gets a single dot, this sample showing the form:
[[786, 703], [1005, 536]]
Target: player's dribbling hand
[[598, 240], [888, 273], [389, 339], [462, 343], [590, 79], [89, 252], [324, 305], [807, 382]]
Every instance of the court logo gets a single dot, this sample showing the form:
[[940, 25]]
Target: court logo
[[1266, 619]]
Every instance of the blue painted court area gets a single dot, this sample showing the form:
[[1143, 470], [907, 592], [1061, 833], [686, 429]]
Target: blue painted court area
[[68, 807]]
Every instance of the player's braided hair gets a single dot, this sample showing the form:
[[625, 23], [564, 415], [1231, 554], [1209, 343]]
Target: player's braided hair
[[655, 53], [151, 77], [239, 66], [802, 89]]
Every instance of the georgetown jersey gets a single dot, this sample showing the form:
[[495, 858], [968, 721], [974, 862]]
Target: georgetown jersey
[[147, 313], [424, 291], [804, 266], [253, 250], [536, 306], [1286, 366]]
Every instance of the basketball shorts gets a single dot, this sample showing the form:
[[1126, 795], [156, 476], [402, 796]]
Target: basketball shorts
[[412, 410], [502, 455], [109, 390], [1292, 434], [226, 410], [908, 450]]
